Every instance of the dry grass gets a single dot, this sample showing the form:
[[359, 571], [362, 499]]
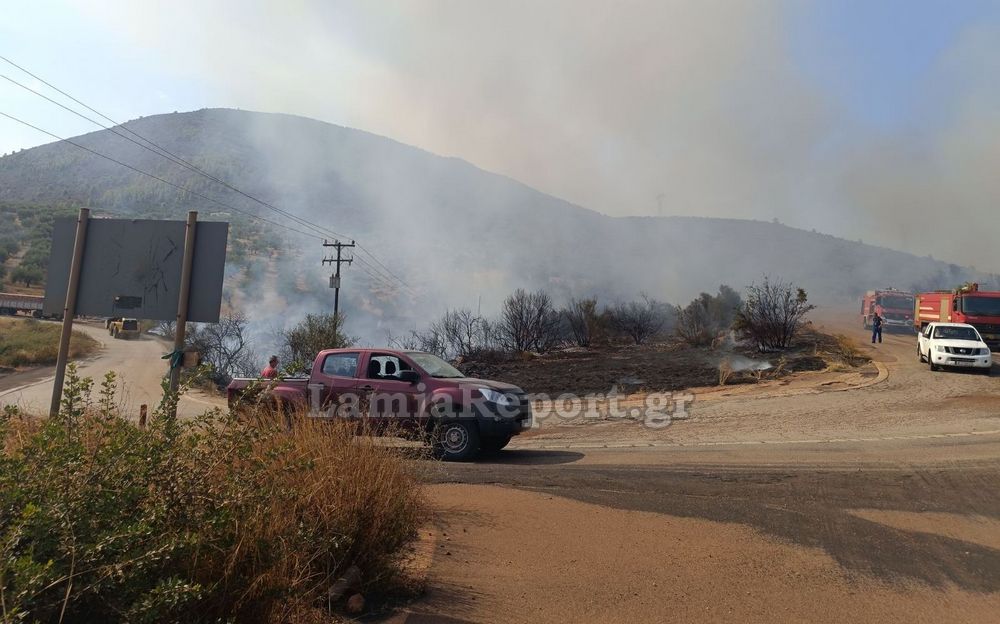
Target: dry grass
[[222, 518], [839, 349], [725, 372], [355, 490], [28, 342]]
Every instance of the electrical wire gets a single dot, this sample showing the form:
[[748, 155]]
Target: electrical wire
[[156, 177], [387, 274]]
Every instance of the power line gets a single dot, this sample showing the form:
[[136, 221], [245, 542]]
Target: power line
[[160, 151], [164, 153], [377, 277], [373, 257], [156, 177]]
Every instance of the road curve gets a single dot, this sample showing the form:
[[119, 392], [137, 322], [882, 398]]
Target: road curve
[[875, 504], [137, 364], [910, 410]]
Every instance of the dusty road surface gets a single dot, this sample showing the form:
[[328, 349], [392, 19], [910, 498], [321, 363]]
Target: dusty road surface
[[136, 362], [823, 504]]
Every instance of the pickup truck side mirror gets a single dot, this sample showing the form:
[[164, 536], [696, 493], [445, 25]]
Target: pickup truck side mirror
[[410, 376]]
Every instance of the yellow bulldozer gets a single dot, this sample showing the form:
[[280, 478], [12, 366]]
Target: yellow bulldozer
[[124, 328]]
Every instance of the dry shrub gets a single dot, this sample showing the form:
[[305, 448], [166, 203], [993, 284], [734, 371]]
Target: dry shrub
[[837, 348], [725, 372], [846, 349], [358, 499], [772, 314], [220, 518]]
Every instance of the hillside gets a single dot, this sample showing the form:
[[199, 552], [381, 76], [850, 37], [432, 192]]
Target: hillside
[[454, 232]]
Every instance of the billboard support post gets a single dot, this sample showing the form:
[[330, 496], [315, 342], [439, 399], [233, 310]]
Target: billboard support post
[[69, 309], [182, 307]]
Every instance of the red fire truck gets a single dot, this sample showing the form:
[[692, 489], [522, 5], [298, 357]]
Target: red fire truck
[[894, 306], [966, 304]]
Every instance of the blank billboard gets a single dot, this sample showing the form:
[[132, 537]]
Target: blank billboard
[[132, 268]]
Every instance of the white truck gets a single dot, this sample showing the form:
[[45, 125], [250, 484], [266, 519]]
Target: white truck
[[955, 345]]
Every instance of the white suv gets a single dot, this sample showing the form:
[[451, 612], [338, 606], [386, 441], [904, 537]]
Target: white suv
[[953, 344]]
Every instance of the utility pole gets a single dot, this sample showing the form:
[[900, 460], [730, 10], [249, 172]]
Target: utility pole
[[335, 278], [69, 309], [182, 307]]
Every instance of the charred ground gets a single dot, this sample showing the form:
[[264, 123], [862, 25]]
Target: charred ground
[[664, 366]]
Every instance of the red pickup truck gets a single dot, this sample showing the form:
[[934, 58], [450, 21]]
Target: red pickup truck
[[404, 393]]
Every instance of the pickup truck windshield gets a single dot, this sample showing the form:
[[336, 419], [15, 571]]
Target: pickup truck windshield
[[981, 306], [956, 333], [435, 366]]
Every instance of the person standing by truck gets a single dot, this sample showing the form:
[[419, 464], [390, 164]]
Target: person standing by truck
[[877, 328], [271, 371]]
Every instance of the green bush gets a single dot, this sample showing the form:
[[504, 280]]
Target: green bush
[[214, 519]]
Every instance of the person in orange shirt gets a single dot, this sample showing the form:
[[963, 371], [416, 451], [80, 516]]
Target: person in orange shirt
[[271, 371]]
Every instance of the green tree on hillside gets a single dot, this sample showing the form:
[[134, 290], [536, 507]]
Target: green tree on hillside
[[27, 275], [313, 334]]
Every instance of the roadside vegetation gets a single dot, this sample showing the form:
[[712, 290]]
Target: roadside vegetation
[[215, 519], [27, 342], [25, 242], [640, 345]]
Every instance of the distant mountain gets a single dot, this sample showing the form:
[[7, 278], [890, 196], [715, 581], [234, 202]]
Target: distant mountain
[[456, 234]]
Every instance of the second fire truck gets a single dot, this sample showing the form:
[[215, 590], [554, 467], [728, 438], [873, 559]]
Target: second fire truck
[[966, 304]]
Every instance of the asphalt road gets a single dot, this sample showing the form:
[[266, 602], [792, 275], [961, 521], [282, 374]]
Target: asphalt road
[[874, 504], [137, 364]]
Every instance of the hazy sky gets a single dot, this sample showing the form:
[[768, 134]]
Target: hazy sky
[[861, 118]]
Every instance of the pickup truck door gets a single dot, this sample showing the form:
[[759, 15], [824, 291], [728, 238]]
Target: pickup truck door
[[388, 400], [332, 379], [923, 339]]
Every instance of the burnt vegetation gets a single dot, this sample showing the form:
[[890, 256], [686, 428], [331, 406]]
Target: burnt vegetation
[[774, 311], [701, 322], [588, 346]]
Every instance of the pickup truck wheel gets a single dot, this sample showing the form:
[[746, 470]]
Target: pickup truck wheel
[[920, 354], [494, 444], [455, 441], [930, 362]]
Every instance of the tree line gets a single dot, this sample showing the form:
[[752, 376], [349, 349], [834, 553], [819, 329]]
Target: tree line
[[768, 316]]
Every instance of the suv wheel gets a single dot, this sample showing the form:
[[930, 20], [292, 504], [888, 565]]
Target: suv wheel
[[455, 441], [494, 444]]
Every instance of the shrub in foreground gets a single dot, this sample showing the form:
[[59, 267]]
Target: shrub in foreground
[[213, 519]]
